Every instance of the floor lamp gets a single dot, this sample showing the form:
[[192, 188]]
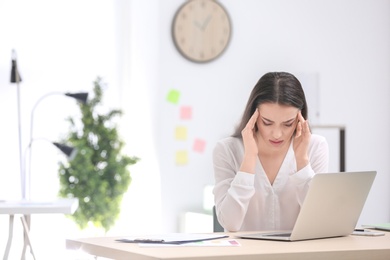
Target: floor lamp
[[67, 150], [81, 97], [15, 78]]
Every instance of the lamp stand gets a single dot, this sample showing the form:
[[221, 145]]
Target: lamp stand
[[22, 174], [15, 78]]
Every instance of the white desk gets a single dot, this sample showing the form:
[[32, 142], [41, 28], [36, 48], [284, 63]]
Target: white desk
[[26, 208], [349, 247]]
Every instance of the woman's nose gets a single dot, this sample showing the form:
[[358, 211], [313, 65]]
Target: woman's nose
[[277, 133]]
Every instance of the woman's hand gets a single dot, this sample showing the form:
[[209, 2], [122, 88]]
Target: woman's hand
[[250, 144], [301, 142]]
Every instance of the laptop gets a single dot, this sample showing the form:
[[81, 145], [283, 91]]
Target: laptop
[[332, 207]]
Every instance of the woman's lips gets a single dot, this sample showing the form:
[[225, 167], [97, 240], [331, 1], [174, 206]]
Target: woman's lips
[[276, 142]]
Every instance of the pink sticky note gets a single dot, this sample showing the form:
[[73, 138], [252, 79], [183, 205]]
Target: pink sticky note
[[199, 145], [185, 112]]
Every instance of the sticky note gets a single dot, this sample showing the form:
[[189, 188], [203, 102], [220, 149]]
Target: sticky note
[[173, 96], [185, 112], [199, 145], [181, 133], [181, 157]]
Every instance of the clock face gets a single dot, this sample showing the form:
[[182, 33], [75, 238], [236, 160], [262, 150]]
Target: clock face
[[201, 30]]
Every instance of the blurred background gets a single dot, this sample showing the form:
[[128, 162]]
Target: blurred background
[[340, 50]]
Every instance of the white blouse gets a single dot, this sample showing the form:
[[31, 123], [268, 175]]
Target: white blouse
[[248, 202]]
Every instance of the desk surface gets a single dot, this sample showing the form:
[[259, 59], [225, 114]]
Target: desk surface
[[64, 206], [350, 247]]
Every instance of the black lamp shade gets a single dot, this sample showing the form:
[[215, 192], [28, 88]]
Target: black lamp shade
[[82, 96], [70, 152], [15, 76]]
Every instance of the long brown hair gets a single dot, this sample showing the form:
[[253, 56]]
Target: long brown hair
[[274, 87]]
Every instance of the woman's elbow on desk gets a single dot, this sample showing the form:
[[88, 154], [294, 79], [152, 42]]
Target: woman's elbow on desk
[[230, 226]]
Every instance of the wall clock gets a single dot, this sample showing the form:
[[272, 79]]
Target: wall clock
[[201, 30]]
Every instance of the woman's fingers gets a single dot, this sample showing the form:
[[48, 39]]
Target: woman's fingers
[[253, 119], [302, 125], [298, 130], [252, 122], [305, 124], [249, 135]]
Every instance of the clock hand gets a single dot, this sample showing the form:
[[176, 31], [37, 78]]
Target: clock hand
[[197, 24], [206, 22]]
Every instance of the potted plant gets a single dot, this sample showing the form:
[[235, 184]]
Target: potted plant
[[98, 175]]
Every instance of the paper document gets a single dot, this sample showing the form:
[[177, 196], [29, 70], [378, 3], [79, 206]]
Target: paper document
[[382, 226], [206, 243], [173, 238]]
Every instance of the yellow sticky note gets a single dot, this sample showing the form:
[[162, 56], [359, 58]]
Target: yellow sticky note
[[181, 133], [181, 157]]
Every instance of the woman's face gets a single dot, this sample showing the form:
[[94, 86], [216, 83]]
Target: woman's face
[[276, 124]]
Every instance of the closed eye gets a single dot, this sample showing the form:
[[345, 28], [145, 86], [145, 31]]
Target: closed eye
[[266, 123]]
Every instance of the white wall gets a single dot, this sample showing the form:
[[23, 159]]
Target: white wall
[[129, 44], [345, 42], [56, 53]]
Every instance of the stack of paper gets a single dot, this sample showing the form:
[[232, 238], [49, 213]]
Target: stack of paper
[[206, 243], [174, 238]]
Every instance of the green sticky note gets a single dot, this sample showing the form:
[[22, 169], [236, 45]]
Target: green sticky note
[[173, 96]]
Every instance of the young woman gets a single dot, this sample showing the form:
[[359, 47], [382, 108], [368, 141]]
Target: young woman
[[263, 171]]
